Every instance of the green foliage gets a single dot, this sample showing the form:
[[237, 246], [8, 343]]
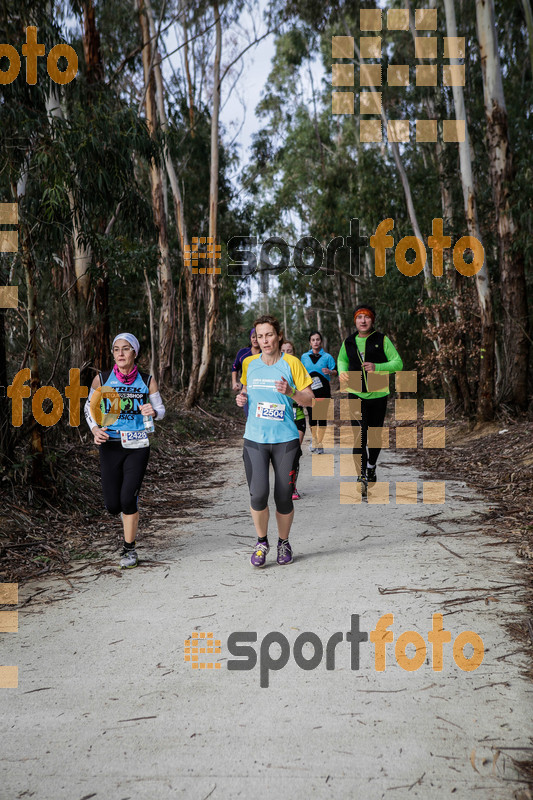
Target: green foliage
[[310, 174]]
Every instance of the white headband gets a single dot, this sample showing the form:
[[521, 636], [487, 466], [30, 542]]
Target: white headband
[[129, 337]]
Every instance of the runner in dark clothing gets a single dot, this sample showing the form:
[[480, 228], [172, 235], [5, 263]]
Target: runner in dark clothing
[[364, 351], [251, 350]]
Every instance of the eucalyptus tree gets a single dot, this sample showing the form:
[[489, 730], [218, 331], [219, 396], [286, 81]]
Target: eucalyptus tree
[[510, 258]]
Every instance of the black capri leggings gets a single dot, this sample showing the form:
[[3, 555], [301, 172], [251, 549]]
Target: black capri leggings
[[257, 458], [325, 391], [122, 472], [372, 416]]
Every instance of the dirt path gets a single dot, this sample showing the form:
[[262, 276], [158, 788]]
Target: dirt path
[[108, 708]]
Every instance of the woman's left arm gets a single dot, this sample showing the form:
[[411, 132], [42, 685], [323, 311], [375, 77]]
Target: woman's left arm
[[154, 407]]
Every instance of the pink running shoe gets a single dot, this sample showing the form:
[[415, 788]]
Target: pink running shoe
[[296, 494]]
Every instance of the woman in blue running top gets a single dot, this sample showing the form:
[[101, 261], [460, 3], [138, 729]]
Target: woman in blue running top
[[321, 367], [123, 444], [271, 381]]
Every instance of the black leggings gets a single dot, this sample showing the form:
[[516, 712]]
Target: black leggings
[[122, 472], [372, 416], [322, 423], [320, 394], [300, 424], [257, 458]]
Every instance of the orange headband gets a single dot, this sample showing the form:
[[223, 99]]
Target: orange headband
[[364, 311]]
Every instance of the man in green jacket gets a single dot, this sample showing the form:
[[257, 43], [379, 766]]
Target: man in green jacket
[[366, 351]]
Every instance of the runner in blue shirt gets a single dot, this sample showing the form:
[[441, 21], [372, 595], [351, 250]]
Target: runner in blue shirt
[[321, 367], [123, 444], [271, 381]]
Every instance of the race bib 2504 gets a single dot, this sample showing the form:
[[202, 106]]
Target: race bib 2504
[[274, 411]]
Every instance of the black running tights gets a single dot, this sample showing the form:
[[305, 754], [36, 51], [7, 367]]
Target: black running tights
[[122, 472], [257, 458], [372, 416]]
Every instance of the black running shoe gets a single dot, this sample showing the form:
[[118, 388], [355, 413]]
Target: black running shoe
[[371, 475]]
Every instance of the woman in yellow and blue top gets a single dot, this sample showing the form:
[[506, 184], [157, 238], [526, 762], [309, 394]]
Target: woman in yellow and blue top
[[364, 351], [271, 381]]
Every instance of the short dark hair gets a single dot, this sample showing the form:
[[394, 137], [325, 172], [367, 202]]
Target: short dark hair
[[364, 305], [268, 319], [313, 333]]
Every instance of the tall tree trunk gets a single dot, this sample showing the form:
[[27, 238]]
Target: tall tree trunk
[[164, 274], [184, 9], [212, 304], [91, 44], [6, 449], [179, 213], [529, 22], [100, 327], [28, 266], [455, 379], [80, 260], [428, 277], [485, 401], [151, 316], [101, 332], [511, 261]]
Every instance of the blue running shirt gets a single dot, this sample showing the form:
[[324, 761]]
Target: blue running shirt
[[325, 360], [132, 397], [270, 417]]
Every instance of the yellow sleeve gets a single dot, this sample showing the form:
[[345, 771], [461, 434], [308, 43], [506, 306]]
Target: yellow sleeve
[[245, 368], [300, 375], [244, 371]]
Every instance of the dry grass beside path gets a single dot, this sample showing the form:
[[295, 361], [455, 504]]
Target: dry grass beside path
[[496, 459], [64, 528]]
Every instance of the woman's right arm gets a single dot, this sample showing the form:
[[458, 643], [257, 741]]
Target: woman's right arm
[[242, 397], [99, 434]]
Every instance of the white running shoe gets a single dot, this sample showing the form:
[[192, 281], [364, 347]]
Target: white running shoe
[[129, 559]]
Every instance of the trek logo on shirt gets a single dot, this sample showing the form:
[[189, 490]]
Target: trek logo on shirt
[[270, 411]]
